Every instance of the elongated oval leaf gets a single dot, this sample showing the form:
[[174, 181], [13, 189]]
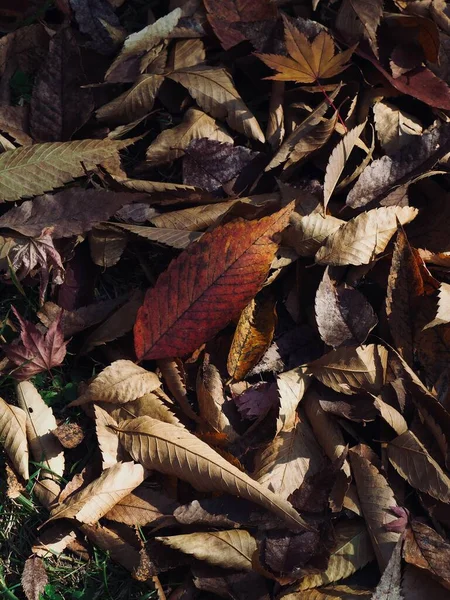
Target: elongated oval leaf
[[13, 436], [175, 451], [206, 286], [232, 549], [36, 169]]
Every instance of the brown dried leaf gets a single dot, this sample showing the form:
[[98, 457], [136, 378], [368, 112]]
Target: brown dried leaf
[[426, 549], [123, 381], [376, 498], [309, 232], [232, 549], [70, 435], [389, 586], [97, 498], [343, 314], [412, 460], [417, 584], [333, 592], [143, 507], [359, 18], [13, 436], [253, 335], [108, 440], [175, 451], [34, 577], [443, 311], [394, 127], [106, 244], [361, 239]]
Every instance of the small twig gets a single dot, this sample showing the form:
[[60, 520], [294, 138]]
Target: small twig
[[332, 104]]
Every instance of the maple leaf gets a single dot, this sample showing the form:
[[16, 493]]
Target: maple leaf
[[36, 352], [307, 61]]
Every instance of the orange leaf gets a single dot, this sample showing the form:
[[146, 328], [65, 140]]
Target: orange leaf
[[206, 287]]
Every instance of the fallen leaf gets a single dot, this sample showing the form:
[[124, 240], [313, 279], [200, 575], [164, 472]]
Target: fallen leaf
[[107, 245], [238, 249], [70, 435], [14, 122], [343, 592], [358, 241], [395, 128], [175, 451], [288, 553], [233, 549], [348, 369], [376, 498], [310, 232], [143, 507], [14, 437], [307, 62], [34, 577], [50, 165], [214, 91], [97, 498], [224, 15], [252, 337], [426, 549], [108, 440], [358, 18], [337, 161], [343, 315], [443, 310], [60, 105], [92, 17], [231, 585], [170, 143], [389, 587], [412, 461], [121, 382], [351, 552], [36, 352], [175, 238], [417, 582]]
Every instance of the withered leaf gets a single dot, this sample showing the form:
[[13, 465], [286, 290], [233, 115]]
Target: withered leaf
[[411, 459], [358, 241], [142, 507], [208, 164], [123, 381], [175, 451], [417, 584], [36, 352], [343, 314], [92, 17], [70, 212], [426, 549], [333, 592], [348, 369], [376, 498], [443, 311], [34, 577], [232, 549], [13, 436], [289, 553], [107, 244], [358, 18], [170, 144], [389, 587], [394, 127], [59, 104], [108, 440], [231, 585], [252, 337], [311, 231]]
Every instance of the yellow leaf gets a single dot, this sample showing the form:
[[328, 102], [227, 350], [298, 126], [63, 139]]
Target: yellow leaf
[[307, 61], [13, 436]]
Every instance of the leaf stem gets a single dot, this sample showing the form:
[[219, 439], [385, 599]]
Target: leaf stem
[[332, 104]]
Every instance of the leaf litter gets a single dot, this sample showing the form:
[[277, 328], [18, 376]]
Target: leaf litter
[[225, 330]]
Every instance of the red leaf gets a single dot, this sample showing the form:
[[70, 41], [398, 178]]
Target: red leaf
[[206, 286], [420, 83], [36, 351]]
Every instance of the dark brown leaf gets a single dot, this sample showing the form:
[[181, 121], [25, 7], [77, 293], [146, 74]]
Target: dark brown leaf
[[34, 578], [426, 549]]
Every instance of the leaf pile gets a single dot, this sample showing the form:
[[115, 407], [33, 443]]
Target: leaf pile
[[230, 228]]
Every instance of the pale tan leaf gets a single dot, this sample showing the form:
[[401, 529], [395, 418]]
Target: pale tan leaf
[[187, 53], [54, 540], [443, 311], [211, 399], [232, 549], [214, 91], [292, 456], [332, 592], [143, 507], [173, 374], [291, 387], [175, 451], [376, 498], [308, 233], [108, 440], [118, 548], [121, 382], [338, 159], [97, 498], [13, 436], [394, 127], [44, 446], [170, 144], [39, 168], [351, 552], [133, 104], [34, 578], [361, 239], [352, 368], [195, 218], [149, 405], [412, 460], [137, 44], [389, 586], [176, 238], [391, 416]]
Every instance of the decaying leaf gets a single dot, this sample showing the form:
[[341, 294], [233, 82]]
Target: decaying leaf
[[394, 127], [389, 587], [14, 437], [175, 451], [142, 507], [242, 251], [426, 549], [34, 578], [443, 311]]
